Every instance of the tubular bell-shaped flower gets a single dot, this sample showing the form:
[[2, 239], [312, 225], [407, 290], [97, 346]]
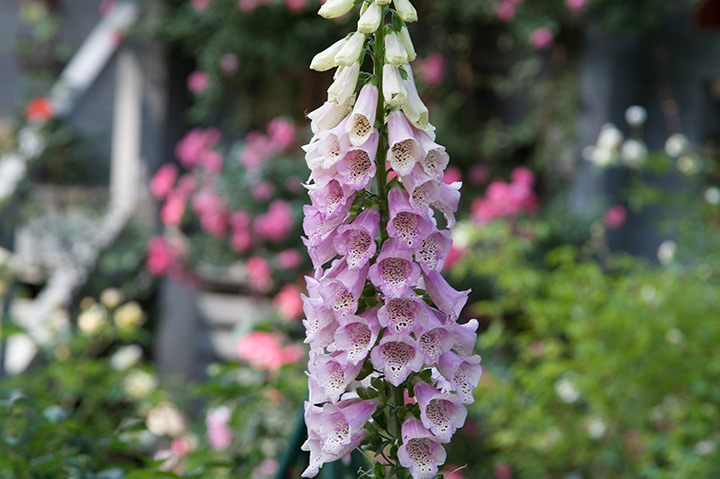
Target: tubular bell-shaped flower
[[377, 304]]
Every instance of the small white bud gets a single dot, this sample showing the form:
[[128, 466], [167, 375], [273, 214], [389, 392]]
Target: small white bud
[[395, 52], [325, 60], [406, 11], [350, 52], [407, 43], [344, 85], [393, 88], [335, 8], [370, 19]]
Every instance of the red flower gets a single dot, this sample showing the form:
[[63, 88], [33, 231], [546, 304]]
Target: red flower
[[40, 109]]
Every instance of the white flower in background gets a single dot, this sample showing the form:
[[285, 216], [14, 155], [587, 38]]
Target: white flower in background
[[674, 336], [703, 448], [128, 316], [138, 384], [92, 319], [712, 196], [610, 137], [634, 153], [602, 157], [636, 116], [165, 420], [462, 234], [648, 293], [126, 357], [666, 252], [565, 390], [689, 165], [30, 142], [596, 428], [111, 297], [676, 145]]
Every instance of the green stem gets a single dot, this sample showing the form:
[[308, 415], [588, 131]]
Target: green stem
[[379, 60], [399, 401]]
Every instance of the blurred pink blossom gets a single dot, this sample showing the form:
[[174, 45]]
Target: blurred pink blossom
[[163, 181], [263, 191], [503, 471], [506, 199], [295, 5], [288, 259], [200, 5], [542, 38], [106, 6], [229, 63], [276, 223], [197, 82], [182, 446], [454, 256], [576, 5], [259, 273], [505, 11], [218, 433], [161, 256], [266, 470], [190, 149], [452, 174], [432, 69], [282, 133], [289, 302], [241, 240], [247, 6], [479, 174], [615, 217], [211, 210], [212, 161], [263, 350], [173, 210]]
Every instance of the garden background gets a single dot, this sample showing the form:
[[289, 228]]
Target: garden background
[[151, 186]]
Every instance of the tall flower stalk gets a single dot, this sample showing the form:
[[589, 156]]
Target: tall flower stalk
[[391, 368]]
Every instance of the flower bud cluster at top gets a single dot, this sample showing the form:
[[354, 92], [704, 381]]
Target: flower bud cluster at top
[[390, 367]]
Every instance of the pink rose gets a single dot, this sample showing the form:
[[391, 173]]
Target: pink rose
[[163, 181], [432, 69], [263, 191], [452, 174], [218, 433], [523, 176], [542, 38], [289, 302], [190, 149], [615, 217], [276, 223], [576, 5], [200, 5], [173, 210], [259, 273], [211, 209], [505, 11], [263, 350], [295, 5], [212, 161], [161, 256], [241, 240], [282, 133], [198, 82], [288, 259]]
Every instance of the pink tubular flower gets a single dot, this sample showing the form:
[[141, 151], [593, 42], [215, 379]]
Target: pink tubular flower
[[420, 452], [615, 217], [542, 38], [163, 181], [198, 82], [452, 175], [289, 302]]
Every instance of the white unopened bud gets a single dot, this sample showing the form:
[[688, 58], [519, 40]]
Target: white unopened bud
[[325, 60], [395, 53], [414, 108], [350, 52], [406, 11], [393, 88], [370, 19], [335, 8], [404, 35], [344, 85], [329, 115]]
